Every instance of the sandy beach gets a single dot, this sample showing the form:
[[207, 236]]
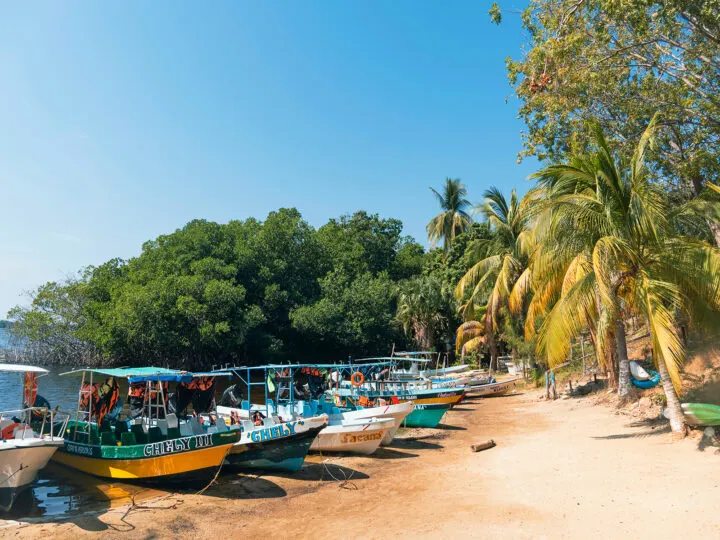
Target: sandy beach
[[563, 469]]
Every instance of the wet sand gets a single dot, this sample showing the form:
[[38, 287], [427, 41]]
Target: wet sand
[[563, 469]]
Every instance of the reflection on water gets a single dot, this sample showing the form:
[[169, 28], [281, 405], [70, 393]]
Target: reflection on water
[[59, 491]]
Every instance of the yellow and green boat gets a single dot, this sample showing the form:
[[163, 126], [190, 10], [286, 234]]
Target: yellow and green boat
[[152, 447]]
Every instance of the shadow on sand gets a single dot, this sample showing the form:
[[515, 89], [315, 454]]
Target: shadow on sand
[[392, 453], [654, 426], [322, 472], [448, 427], [242, 486], [420, 443]]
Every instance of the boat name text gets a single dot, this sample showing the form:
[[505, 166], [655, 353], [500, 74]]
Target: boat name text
[[177, 445], [274, 432]]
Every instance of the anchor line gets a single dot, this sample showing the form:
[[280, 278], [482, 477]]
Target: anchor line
[[13, 474], [217, 473]]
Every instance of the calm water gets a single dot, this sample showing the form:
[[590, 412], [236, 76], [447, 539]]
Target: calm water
[[59, 491]]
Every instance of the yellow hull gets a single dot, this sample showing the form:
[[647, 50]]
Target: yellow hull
[[149, 467]]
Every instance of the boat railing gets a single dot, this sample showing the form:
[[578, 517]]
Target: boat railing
[[50, 419]]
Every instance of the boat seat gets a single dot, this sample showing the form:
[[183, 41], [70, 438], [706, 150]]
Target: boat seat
[[196, 427], [163, 425], [276, 419], [127, 438], [107, 438], [105, 425], [172, 420], [186, 429], [139, 432], [155, 434], [247, 425], [221, 425], [120, 428], [268, 422]]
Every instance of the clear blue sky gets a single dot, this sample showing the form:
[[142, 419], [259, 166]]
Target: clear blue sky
[[122, 121]]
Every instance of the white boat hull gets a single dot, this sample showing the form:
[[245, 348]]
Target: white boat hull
[[638, 372], [397, 412], [492, 389], [20, 461], [352, 436]]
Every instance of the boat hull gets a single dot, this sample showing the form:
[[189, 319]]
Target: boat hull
[[397, 412], [491, 389], [185, 459], [356, 438], [279, 448], [426, 416], [19, 466]]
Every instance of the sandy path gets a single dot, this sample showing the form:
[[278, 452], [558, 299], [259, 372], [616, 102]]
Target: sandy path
[[563, 469]]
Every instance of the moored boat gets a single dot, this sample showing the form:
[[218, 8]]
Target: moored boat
[[491, 389], [27, 440], [273, 444], [155, 446], [362, 436], [429, 405], [398, 412], [286, 402]]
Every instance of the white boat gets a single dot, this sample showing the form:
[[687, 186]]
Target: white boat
[[638, 372], [397, 412], [491, 389], [355, 436], [24, 451]]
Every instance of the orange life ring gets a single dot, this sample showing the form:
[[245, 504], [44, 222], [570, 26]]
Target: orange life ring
[[30, 388], [357, 379]]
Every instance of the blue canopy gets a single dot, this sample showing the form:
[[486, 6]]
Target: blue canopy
[[140, 374]]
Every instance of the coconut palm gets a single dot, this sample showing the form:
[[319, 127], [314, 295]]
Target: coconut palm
[[454, 218], [615, 252], [502, 262]]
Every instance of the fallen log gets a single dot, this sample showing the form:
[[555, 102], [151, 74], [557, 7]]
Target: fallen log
[[482, 446]]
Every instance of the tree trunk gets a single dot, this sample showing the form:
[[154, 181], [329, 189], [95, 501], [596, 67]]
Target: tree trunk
[[674, 411], [492, 346], [714, 227], [623, 363]]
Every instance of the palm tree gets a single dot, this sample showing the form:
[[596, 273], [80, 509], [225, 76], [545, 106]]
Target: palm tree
[[421, 308], [454, 218], [502, 262], [615, 252]]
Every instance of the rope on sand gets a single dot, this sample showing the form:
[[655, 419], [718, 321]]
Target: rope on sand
[[345, 482]]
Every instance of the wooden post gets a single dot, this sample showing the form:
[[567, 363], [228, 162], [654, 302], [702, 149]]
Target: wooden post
[[582, 351]]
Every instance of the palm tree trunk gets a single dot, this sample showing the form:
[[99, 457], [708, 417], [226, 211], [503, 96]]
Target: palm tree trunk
[[623, 362], [714, 227], [674, 411], [492, 346]]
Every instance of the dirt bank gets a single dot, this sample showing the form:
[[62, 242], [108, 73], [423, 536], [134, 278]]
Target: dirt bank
[[561, 469]]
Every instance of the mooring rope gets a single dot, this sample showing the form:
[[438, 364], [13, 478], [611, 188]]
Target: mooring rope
[[13, 474]]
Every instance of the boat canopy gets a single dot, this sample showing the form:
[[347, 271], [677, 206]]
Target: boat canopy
[[22, 368], [392, 359], [140, 374]]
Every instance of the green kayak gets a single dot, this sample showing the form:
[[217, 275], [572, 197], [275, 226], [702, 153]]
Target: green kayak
[[701, 414]]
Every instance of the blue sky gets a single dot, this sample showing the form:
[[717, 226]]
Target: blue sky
[[123, 121]]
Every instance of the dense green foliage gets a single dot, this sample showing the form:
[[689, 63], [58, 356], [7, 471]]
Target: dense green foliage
[[243, 292], [618, 62]]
